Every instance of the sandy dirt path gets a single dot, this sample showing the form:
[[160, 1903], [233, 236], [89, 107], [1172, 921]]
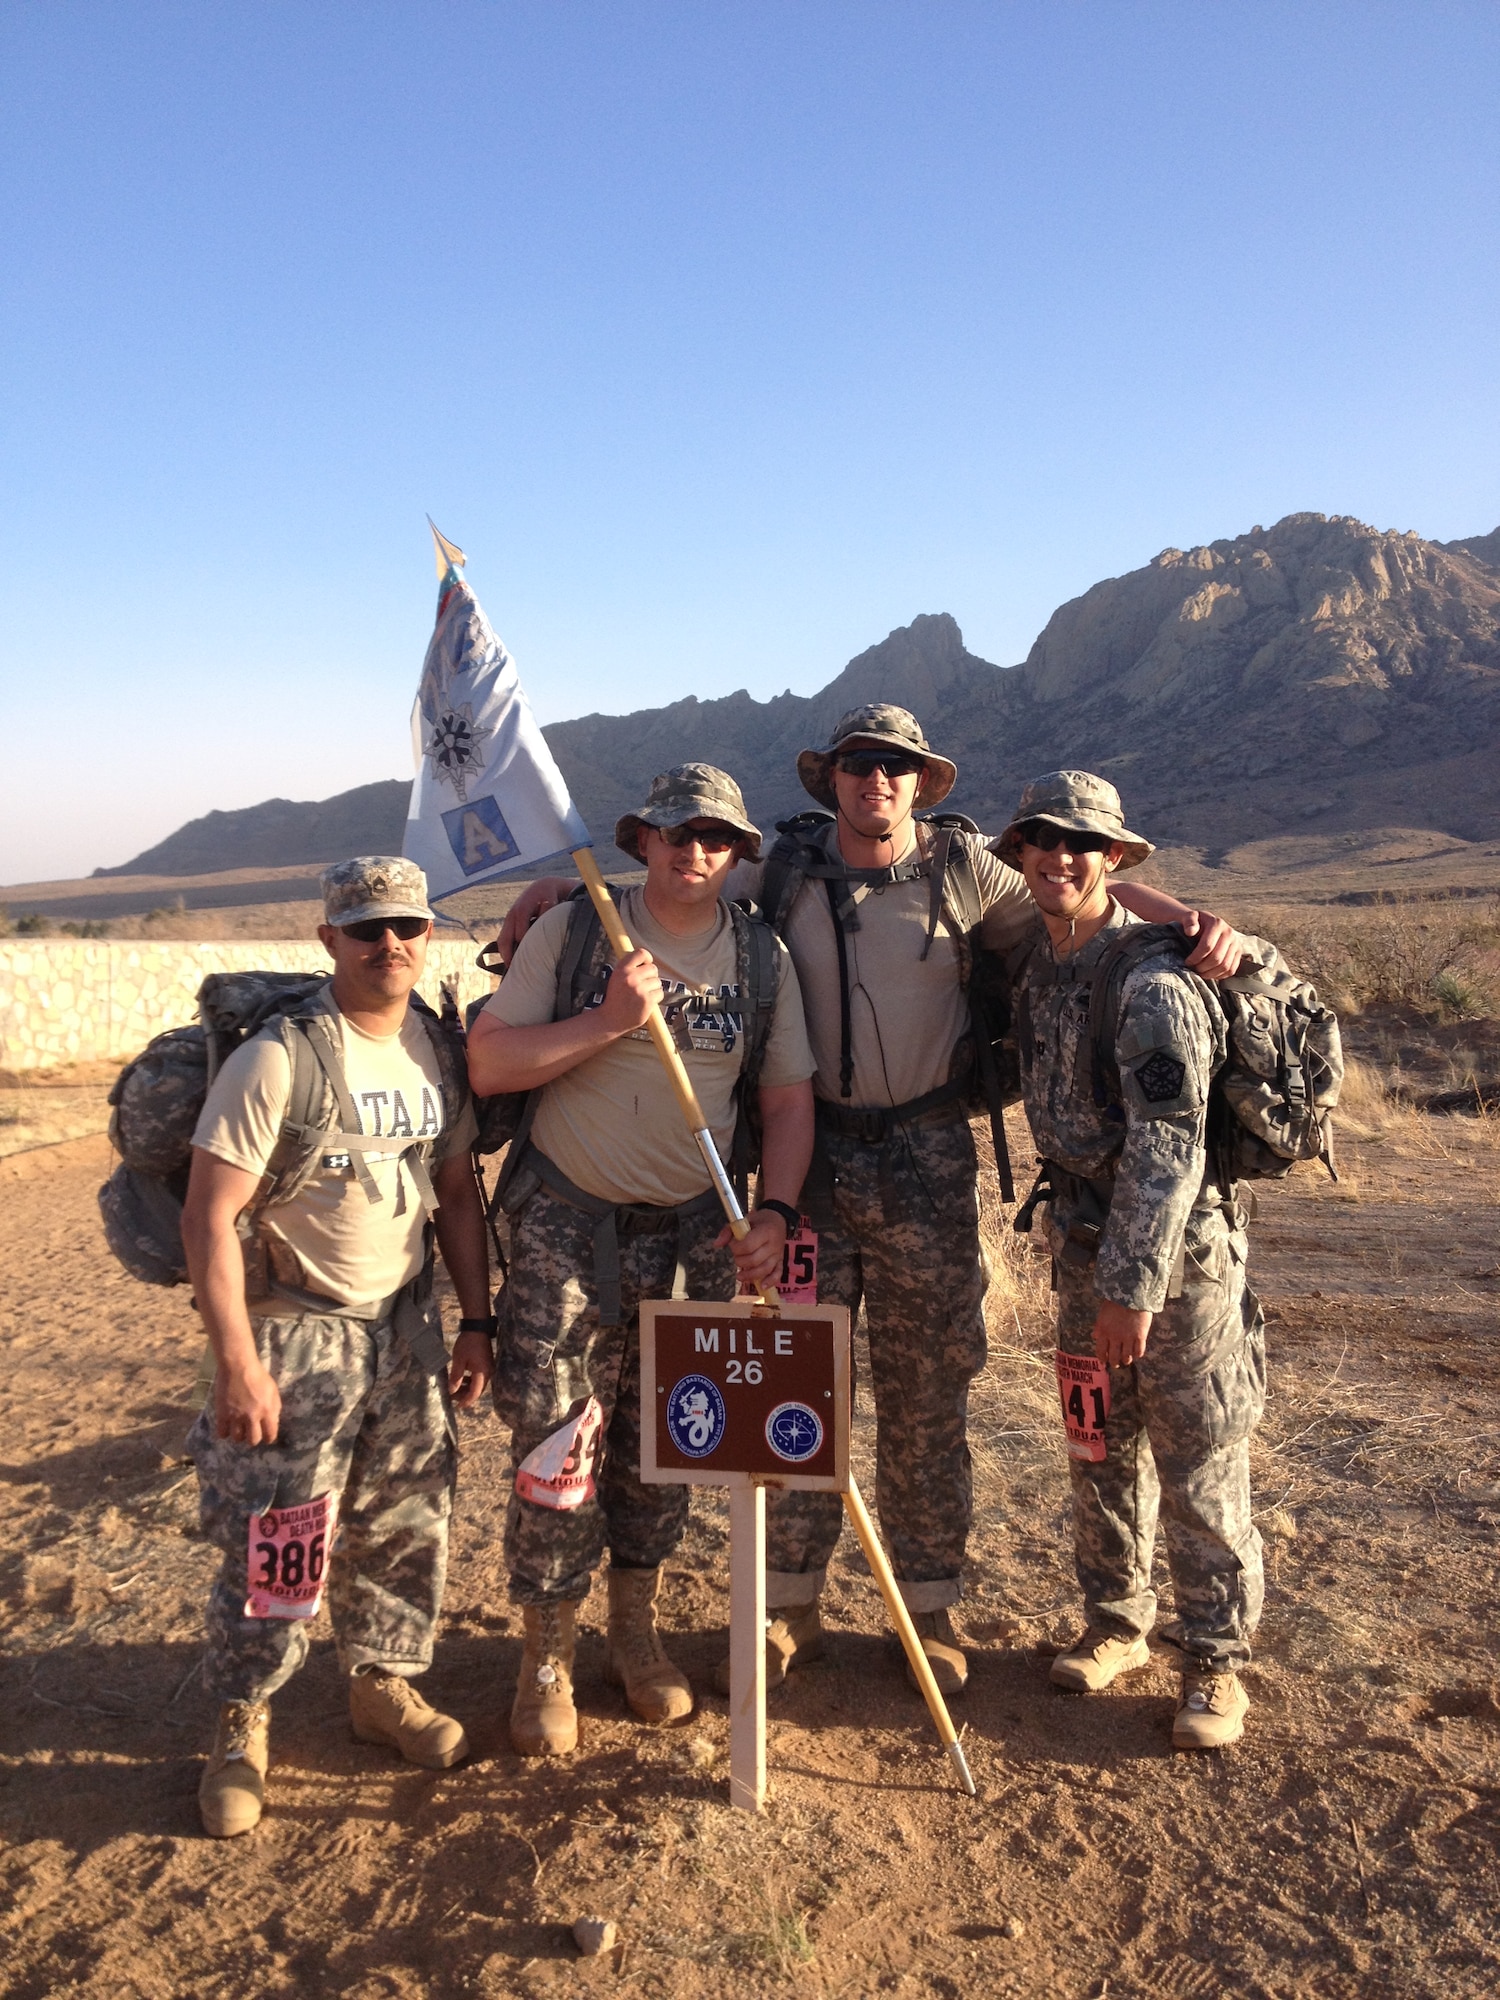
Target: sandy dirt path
[[1347, 1848]]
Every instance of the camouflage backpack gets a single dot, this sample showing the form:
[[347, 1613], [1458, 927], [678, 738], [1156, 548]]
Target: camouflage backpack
[[1273, 1096], [157, 1098]]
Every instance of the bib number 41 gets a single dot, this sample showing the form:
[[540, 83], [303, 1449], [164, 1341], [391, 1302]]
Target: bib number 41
[[1083, 1386]]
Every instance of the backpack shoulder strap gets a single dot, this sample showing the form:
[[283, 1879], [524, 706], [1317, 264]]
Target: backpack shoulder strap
[[793, 854], [445, 1033], [1135, 944], [578, 952], [574, 961], [936, 883], [756, 964], [953, 879], [306, 1097], [962, 883], [758, 984]]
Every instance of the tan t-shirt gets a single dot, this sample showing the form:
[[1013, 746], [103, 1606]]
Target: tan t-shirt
[[613, 1123], [906, 1013], [350, 1248]]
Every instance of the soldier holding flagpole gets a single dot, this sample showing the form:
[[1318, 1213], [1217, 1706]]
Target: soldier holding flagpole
[[480, 744]]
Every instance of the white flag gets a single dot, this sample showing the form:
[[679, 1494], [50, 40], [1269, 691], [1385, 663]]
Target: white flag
[[488, 796]]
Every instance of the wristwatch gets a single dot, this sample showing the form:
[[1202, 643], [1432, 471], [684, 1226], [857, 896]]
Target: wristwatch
[[788, 1214], [487, 1325]]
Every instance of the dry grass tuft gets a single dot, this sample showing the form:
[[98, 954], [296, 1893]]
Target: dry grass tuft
[[1437, 955]]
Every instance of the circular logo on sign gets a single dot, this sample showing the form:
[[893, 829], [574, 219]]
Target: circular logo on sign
[[268, 1524], [794, 1432], [695, 1416]]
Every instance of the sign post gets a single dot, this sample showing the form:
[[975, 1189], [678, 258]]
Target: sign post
[[735, 1396], [747, 1647]]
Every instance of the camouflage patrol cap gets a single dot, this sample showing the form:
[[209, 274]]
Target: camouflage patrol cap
[[877, 725], [373, 885], [1080, 802], [690, 791]]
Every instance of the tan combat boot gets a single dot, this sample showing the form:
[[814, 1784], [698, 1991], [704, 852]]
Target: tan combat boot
[[637, 1661], [1212, 1710], [944, 1654], [1096, 1659], [543, 1720], [793, 1636], [386, 1708], [233, 1786]]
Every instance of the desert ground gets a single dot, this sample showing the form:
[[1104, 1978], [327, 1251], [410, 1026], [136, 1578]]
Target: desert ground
[[1348, 1847]]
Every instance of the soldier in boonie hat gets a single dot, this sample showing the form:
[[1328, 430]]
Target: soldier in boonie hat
[[878, 725], [1078, 802], [690, 791], [373, 885]]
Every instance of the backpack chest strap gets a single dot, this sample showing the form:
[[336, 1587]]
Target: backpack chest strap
[[349, 1138]]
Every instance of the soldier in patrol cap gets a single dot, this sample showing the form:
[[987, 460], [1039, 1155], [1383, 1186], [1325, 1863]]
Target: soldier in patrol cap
[[882, 962], [609, 1196], [1149, 1258], [331, 1411]]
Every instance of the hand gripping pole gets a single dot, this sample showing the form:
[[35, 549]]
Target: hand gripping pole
[[666, 1048]]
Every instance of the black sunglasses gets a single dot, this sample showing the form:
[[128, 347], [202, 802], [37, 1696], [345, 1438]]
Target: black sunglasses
[[894, 763], [1039, 833], [712, 839], [373, 929]]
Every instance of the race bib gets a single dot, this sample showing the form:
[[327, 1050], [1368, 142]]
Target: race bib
[[560, 1472], [288, 1558], [1083, 1386], [798, 1283]]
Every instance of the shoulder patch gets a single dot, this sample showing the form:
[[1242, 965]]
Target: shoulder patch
[[1161, 1077]]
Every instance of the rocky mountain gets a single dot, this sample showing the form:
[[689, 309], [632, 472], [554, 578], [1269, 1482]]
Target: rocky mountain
[[281, 833], [1319, 672], [1320, 667]]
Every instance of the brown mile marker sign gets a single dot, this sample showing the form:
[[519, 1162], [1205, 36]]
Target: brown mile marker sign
[[733, 1393]]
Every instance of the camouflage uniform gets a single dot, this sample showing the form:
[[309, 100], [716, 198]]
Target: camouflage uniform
[[555, 1349], [553, 1354], [897, 1217], [362, 1416], [904, 1237], [365, 1413], [1133, 1219]]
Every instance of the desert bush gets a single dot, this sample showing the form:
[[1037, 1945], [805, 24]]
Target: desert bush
[[89, 928], [33, 925], [1440, 957]]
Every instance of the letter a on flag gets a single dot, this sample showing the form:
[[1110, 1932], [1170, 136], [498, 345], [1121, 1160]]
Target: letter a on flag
[[488, 796]]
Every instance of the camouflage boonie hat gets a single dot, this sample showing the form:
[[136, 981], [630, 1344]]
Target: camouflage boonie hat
[[878, 725], [690, 791], [373, 885], [1080, 802]]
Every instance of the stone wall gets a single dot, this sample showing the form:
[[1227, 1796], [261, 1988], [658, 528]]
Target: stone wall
[[65, 1000]]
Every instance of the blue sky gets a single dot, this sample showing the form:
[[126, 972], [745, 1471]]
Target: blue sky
[[724, 337]]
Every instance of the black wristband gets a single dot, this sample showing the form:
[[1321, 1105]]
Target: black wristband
[[788, 1214], [488, 1325]]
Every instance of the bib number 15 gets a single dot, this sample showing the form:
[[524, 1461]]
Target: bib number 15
[[798, 1283]]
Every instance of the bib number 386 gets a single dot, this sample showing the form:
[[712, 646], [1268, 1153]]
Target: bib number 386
[[1083, 1385], [288, 1554]]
